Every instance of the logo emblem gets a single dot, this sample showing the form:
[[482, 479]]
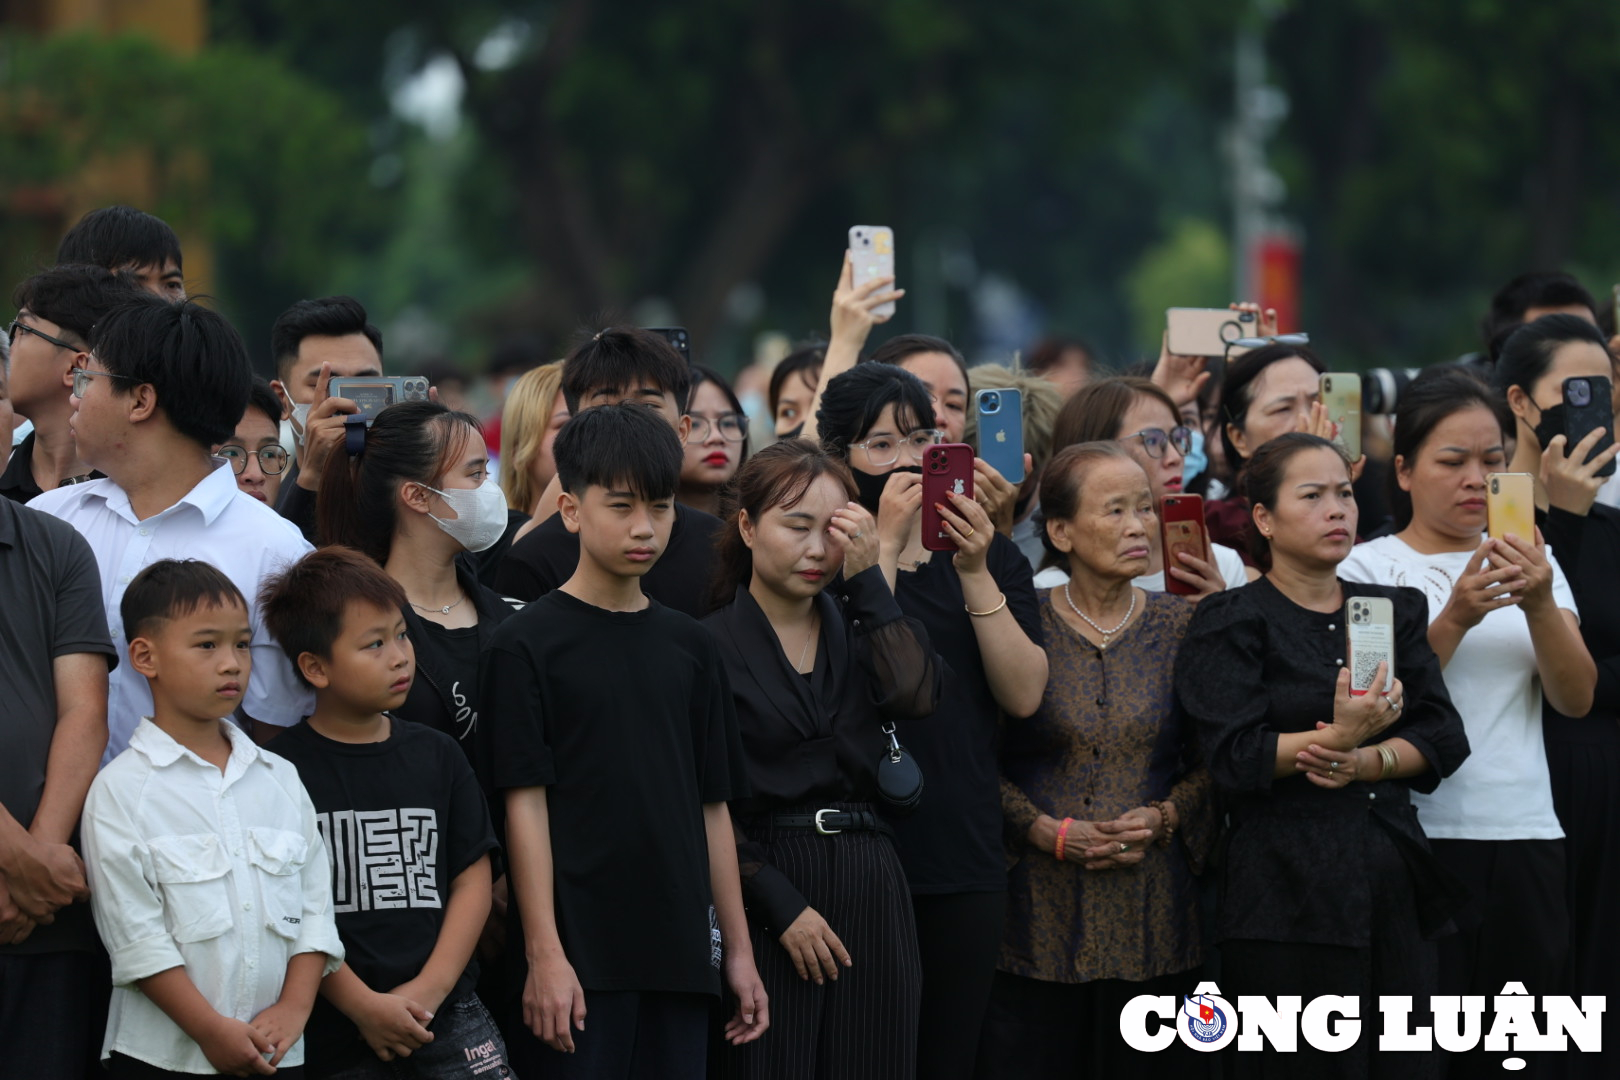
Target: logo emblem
[[1001, 436], [1205, 1022]]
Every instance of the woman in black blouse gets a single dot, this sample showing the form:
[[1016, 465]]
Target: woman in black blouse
[[979, 606], [1328, 885], [816, 678]]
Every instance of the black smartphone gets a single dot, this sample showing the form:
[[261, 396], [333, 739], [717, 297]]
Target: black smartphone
[[676, 336], [1588, 405]]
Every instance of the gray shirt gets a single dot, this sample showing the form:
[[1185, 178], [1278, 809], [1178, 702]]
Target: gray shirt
[[52, 607]]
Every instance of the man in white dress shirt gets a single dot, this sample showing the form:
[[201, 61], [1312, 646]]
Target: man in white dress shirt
[[165, 382]]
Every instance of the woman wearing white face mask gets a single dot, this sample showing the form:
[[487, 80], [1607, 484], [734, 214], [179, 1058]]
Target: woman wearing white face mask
[[416, 497]]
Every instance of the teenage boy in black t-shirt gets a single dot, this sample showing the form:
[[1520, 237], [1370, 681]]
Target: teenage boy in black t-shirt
[[406, 827], [616, 744], [621, 364]]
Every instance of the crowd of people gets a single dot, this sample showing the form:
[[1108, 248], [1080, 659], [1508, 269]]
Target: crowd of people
[[676, 749]]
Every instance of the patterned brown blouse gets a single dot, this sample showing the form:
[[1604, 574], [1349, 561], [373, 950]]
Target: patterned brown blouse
[[1107, 740]]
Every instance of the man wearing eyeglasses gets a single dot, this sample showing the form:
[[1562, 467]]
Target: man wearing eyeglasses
[[55, 311]]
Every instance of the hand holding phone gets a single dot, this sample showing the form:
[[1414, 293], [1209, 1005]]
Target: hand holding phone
[[1341, 398], [1369, 623], [871, 251], [1182, 531], [1001, 431], [1206, 331], [1510, 505], [947, 470], [1589, 407]]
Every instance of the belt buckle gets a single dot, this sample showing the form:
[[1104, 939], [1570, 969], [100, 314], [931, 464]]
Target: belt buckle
[[822, 829]]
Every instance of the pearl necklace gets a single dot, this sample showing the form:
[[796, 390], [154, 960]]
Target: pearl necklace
[[1107, 635]]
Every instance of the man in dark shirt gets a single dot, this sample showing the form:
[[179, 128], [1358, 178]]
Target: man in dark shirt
[[49, 338], [617, 748], [54, 656], [622, 364]]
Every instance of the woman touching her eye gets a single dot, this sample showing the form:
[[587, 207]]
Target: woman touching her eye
[[819, 675], [1328, 884]]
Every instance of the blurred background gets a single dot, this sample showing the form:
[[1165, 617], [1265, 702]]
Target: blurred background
[[487, 176]]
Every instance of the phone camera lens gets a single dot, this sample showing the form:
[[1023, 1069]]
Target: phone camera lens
[[1496, 487]]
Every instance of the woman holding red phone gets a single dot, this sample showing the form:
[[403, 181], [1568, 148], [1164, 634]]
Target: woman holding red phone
[[978, 605]]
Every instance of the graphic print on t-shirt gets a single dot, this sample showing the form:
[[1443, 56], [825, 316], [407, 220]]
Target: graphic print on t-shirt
[[382, 859]]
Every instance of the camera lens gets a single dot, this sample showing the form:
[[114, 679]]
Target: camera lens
[[989, 401], [1496, 487], [1580, 393], [1381, 388]]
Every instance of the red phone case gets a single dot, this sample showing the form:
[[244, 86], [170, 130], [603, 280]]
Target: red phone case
[[946, 467], [1181, 528]]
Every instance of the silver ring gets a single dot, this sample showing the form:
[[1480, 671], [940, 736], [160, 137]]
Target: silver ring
[[1123, 847], [1333, 766], [856, 535]]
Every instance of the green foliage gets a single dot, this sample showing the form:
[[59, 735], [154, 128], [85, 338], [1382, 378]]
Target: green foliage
[[1191, 267]]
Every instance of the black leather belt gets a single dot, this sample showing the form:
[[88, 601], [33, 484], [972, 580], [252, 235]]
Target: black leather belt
[[828, 822]]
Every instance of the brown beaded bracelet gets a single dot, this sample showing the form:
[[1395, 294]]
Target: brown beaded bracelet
[[1164, 815]]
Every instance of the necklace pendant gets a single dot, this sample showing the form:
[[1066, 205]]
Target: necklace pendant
[[445, 610]]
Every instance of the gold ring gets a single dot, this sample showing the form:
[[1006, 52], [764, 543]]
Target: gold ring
[[968, 533]]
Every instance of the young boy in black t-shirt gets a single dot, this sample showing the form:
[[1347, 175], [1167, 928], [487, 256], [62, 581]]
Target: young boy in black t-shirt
[[406, 826], [617, 747]]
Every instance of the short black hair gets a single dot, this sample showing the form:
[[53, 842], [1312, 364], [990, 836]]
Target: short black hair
[[304, 605], [172, 589], [1434, 396], [1237, 389], [620, 357], [852, 401], [74, 297], [193, 358], [1528, 352], [264, 399], [116, 237], [1538, 288], [613, 445], [328, 316]]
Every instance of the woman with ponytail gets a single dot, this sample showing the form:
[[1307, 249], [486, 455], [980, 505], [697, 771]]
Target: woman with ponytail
[[818, 676], [416, 498]]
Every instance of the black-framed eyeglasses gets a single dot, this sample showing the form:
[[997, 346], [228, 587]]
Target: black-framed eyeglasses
[[733, 427], [272, 459], [884, 450], [1154, 439], [82, 377], [18, 324]]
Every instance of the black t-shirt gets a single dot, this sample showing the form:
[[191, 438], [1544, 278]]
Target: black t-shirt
[[626, 719], [456, 652], [549, 555], [401, 818], [952, 843], [50, 606]]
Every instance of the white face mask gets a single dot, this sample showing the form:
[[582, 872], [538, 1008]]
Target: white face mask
[[480, 514], [300, 417]]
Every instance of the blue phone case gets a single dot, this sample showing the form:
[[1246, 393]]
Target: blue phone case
[[1001, 432]]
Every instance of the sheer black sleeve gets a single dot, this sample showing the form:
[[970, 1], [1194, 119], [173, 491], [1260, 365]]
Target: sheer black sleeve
[[1220, 686], [773, 901], [1429, 721], [902, 671]]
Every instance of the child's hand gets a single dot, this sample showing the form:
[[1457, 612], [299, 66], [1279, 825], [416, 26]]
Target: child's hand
[[420, 993], [753, 1013], [393, 1026], [282, 1025], [237, 1049]]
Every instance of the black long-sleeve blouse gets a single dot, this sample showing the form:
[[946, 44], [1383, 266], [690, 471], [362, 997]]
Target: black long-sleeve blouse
[[1299, 857], [811, 742], [1586, 546]]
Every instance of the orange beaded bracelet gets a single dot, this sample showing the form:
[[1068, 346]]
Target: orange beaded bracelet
[[1063, 837]]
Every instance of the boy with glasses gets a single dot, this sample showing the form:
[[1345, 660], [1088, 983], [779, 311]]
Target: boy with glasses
[[255, 452]]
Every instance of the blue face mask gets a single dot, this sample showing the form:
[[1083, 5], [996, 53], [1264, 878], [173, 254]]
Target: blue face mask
[[1194, 461]]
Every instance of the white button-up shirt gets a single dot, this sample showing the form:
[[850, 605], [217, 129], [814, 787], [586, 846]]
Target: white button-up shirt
[[224, 874], [215, 522]]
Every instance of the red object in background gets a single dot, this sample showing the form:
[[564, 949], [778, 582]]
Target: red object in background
[[1276, 273], [492, 435]]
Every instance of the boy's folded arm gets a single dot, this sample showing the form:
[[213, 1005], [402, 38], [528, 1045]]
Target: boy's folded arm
[[465, 914], [228, 1044], [124, 898], [390, 1025]]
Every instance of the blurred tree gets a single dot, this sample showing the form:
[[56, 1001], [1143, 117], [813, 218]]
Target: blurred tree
[[262, 159]]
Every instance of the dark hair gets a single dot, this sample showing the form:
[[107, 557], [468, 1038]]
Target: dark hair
[[851, 402], [264, 399], [778, 475], [1237, 388], [1046, 353], [805, 361], [619, 358], [1060, 487], [1432, 397], [1528, 352], [74, 297], [173, 589], [413, 440], [701, 375], [1097, 410], [903, 346], [329, 316], [117, 237], [189, 354], [304, 605], [1263, 477], [1538, 288], [620, 444]]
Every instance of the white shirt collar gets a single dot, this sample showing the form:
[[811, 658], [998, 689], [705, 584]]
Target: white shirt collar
[[161, 749], [212, 494]]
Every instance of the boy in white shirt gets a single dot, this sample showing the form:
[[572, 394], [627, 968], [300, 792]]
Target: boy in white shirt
[[209, 879]]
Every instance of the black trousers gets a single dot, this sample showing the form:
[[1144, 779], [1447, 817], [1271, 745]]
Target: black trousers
[[1583, 760], [628, 1035], [1038, 1030], [959, 939], [120, 1067], [53, 1013], [863, 1025], [1516, 929]]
